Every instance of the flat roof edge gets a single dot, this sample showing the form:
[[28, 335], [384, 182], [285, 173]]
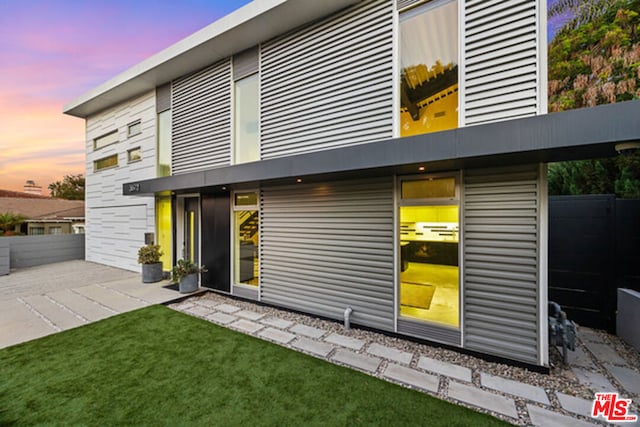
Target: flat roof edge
[[183, 56]]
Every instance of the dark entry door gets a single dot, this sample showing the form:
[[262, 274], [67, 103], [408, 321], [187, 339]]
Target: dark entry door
[[216, 241]]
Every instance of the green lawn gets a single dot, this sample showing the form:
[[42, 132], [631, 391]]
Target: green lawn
[[155, 366]]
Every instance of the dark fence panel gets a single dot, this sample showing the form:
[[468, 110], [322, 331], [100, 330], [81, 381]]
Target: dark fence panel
[[593, 250]]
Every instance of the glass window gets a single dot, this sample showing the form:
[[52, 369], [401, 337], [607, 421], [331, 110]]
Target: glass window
[[429, 188], [164, 143], [104, 140], [246, 114], [36, 231], [134, 155], [246, 239], [55, 230], [134, 128], [429, 68], [106, 162], [429, 286]]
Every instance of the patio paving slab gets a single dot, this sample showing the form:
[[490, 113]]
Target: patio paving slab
[[604, 351], [248, 314], [61, 318], [227, 308], [199, 310], [277, 335], [81, 305], [276, 323], [19, 324], [356, 360], [110, 298], [390, 353], [445, 368], [575, 404], [428, 382], [247, 326], [344, 341], [483, 399], [308, 331], [580, 358], [629, 378], [153, 293], [321, 349], [594, 380], [544, 418], [537, 394], [222, 318]]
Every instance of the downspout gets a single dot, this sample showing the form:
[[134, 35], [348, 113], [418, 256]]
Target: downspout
[[347, 317]]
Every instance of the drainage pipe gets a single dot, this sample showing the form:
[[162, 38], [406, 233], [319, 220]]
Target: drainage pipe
[[347, 317]]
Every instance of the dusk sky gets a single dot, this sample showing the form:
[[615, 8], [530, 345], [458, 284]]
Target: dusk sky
[[52, 51]]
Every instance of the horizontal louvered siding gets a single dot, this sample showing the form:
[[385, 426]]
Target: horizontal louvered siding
[[500, 60], [501, 226], [329, 84], [328, 246], [429, 332], [201, 119]]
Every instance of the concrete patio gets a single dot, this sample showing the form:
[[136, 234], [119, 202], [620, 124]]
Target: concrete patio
[[39, 301]]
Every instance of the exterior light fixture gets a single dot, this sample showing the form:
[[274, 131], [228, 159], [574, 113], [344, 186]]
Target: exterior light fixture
[[299, 180], [421, 168]]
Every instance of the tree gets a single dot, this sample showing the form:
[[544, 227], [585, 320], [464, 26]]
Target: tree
[[9, 221], [618, 175], [71, 188]]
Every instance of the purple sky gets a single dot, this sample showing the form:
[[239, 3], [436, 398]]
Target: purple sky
[[52, 51]]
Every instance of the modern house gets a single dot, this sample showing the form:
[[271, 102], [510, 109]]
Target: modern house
[[384, 156]]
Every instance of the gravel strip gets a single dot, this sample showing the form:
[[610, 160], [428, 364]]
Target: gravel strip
[[561, 378]]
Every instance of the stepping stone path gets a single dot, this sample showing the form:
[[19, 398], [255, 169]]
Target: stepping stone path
[[513, 401]]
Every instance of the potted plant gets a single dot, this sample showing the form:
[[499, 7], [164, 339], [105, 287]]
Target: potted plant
[[149, 257], [185, 273]]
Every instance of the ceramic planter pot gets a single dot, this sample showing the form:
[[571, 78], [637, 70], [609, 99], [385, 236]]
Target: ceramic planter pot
[[151, 272], [189, 284]]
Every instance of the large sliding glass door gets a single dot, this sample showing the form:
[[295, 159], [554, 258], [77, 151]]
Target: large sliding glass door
[[429, 285]]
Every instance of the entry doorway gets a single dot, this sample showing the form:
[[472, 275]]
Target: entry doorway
[[191, 248]]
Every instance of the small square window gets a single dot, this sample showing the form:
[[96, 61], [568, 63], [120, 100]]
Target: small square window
[[134, 155], [134, 128], [104, 140], [106, 162]]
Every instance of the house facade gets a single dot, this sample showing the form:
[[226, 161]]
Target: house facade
[[383, 156]]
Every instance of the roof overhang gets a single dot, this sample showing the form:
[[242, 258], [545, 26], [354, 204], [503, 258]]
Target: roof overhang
[[254, 23], [571, 135]]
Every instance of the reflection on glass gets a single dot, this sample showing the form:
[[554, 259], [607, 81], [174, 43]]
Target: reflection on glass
[[429, 286], [429, 68], [247, 144], [164, 230], [164, 143], [246, 238]]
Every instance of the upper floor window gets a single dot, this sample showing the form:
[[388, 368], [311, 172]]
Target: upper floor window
[[134, 128], [163, 111], [104, 140], [245, 110], [134, 155], [106, 162], [429, 68]]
